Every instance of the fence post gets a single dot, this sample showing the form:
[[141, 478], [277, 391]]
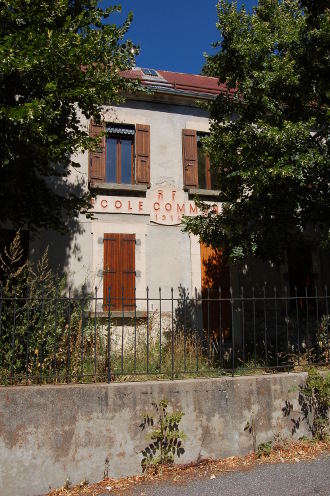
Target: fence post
[[243, 324], [109, 338], [232, 332], [298, 325], [198, 341], [265, 325], [147, 329], [122, 330], [254, 329], [0, 311], [160, 330], [55, 334], [287, 325], [220, 329], [41, 358], [172, 347], [27, 335], [13, 337], [68, 365], [135, 329], [276, 324], [95, 333], [327, 321], [184, 330]]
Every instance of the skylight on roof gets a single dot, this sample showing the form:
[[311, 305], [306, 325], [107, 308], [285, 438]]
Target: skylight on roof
[[149, 72]]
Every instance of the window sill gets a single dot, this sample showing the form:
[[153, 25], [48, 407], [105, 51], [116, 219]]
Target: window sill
[[119, 188], [118, 314], [203, 192]]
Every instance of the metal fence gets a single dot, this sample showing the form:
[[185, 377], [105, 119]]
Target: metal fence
[[56, 338]]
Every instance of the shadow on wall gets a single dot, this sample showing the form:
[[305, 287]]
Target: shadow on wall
[[64, 249]]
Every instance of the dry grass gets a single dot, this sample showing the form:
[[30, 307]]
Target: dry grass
[[283, 451]]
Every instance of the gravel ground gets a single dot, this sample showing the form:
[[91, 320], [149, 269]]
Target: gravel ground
[[289, 479]]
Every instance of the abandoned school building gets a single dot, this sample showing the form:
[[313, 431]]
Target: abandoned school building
[[145, 175]]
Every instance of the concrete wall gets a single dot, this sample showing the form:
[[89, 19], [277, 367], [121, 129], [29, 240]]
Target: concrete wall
[[51, 433]]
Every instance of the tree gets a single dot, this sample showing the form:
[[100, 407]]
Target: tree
[[269, 135], [59, 60]]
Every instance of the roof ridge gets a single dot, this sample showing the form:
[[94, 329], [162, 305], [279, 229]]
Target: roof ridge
[[186, 74]]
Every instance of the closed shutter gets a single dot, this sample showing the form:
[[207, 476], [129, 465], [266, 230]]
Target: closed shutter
[[119, 272], [97, 157], [189, 152], [142, 165], [216, 307]]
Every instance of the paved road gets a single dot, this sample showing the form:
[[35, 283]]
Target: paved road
[[298, 479]]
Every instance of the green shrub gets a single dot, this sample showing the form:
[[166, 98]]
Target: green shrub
[[314, 399]]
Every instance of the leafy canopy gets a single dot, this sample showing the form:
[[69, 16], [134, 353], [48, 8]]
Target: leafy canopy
[[269, 136], [58, 60]]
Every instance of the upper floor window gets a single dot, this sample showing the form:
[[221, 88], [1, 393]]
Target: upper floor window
[[122, 155], [196, 163]]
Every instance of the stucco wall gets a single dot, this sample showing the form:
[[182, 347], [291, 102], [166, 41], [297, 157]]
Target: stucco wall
[[51, 433], [164, 257]]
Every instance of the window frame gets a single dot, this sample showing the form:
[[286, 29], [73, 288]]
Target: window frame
[[119, 165]]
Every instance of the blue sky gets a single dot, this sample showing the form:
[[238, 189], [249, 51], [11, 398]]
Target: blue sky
[[173, 34]]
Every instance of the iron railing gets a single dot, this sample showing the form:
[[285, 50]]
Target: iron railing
[[55, 338]]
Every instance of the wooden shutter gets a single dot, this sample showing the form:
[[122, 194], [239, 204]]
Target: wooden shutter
[[97, 158], [216, 307], [189, 152], [119, 272], [142, 165]]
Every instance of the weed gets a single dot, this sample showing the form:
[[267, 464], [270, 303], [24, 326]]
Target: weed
[[251, 428], [264, 449], [165, 436], [67, 484]]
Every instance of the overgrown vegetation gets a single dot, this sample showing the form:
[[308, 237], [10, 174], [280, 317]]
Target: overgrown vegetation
[[314, 399], [43, 333], [50, 334], [165, 436]]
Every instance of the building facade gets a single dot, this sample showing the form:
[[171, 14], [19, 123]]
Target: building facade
[[145, 174]]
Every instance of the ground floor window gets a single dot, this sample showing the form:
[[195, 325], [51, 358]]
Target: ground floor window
[[119, 272]]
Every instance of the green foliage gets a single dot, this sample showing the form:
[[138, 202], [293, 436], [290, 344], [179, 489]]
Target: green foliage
[[322, 336], [264, 449], [269, 136], [42, 332], [314, 399], [165, 436], [59, 60]]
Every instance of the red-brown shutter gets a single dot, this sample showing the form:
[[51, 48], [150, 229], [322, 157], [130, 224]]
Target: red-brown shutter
[[97, 157], [189, 153], [119, 272], [142, 144]]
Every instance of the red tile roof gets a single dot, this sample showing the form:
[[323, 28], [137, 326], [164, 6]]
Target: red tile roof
[[189, 83]]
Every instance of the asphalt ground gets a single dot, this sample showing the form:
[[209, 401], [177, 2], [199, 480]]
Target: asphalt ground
[[306, 478]]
